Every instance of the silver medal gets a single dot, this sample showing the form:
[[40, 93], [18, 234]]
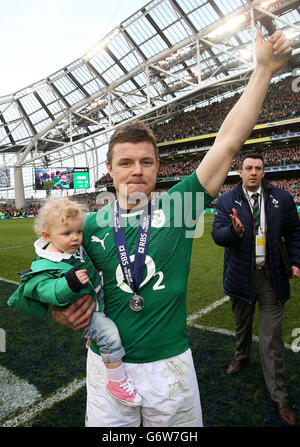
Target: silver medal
[[136, 303]]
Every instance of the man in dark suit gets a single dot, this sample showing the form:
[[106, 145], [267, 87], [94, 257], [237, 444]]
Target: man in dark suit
[[251, 222]]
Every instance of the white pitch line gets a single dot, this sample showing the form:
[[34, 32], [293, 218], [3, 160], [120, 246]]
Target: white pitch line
[[217, 330], [14, 246], [208, 309], [9, 280], [32, 410]]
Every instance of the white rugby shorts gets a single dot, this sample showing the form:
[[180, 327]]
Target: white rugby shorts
[[168, 387]]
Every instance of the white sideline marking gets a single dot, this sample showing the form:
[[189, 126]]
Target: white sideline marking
[[31, 411], [33, 408], [213, 306], [208, 309], [15, 393], [14, 246], [227, 332], [9, 280]]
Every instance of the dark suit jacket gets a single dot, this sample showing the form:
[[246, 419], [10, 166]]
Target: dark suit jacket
[[282, 222]]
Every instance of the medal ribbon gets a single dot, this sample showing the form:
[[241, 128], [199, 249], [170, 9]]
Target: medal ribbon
[[133, 276]]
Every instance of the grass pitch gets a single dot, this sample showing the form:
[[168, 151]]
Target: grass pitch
[[42, 358]]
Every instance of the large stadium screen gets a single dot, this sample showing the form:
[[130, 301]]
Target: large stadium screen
[[61, 178]]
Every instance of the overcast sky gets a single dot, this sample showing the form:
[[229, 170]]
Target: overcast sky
[[38, 37]]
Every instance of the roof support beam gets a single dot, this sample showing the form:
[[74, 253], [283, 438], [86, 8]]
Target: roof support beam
[[144, 114], [27, 119], [7, 130]]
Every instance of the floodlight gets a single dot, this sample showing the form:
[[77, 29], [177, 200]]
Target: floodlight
[[228, 26], [94, 104], [292, 35], [245, 53], [95, 50], [266, 3]]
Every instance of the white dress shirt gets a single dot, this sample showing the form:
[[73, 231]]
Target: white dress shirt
[[260, 252]]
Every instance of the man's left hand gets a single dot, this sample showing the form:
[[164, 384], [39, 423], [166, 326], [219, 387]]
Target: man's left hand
[[273, 53], [76, 316], [295, 272], [237, 224]]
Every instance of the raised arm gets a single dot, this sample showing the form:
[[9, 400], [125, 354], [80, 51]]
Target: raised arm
[[271, 55]]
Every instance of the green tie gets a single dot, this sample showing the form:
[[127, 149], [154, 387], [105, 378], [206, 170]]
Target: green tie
[[256, 215]]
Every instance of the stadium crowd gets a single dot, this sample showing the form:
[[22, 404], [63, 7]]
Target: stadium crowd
[[95, 200], [10, 212], [279, 156], [278, 105], [291, 185]]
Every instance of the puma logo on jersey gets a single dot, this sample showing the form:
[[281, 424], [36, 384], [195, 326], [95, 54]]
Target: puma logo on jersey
[[96, 239], [240, 203]]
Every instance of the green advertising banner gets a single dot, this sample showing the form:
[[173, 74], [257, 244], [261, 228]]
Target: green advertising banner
[[81, 180]]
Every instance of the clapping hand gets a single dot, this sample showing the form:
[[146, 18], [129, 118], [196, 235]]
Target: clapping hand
[[237, 224]]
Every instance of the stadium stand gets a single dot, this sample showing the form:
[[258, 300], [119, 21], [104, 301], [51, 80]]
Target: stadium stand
[[280, 146], [173, 65]]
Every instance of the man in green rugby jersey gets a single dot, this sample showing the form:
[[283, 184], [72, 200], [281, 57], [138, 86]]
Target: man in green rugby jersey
[[144, 252]]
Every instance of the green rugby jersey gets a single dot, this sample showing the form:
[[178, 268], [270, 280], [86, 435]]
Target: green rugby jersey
[[159, 330]]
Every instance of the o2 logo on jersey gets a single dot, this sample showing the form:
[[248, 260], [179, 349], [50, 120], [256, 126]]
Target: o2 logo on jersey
[[151, 272]]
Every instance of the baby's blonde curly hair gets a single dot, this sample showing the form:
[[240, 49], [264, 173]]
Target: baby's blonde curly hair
[[57, 210]]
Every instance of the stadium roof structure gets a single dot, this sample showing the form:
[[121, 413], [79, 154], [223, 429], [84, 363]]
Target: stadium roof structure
[[169, 56]]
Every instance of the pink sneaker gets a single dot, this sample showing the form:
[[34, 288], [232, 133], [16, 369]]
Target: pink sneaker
[[124, 392]]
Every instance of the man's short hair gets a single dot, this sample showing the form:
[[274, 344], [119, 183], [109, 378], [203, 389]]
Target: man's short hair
[[254, 155], [133, 132]]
